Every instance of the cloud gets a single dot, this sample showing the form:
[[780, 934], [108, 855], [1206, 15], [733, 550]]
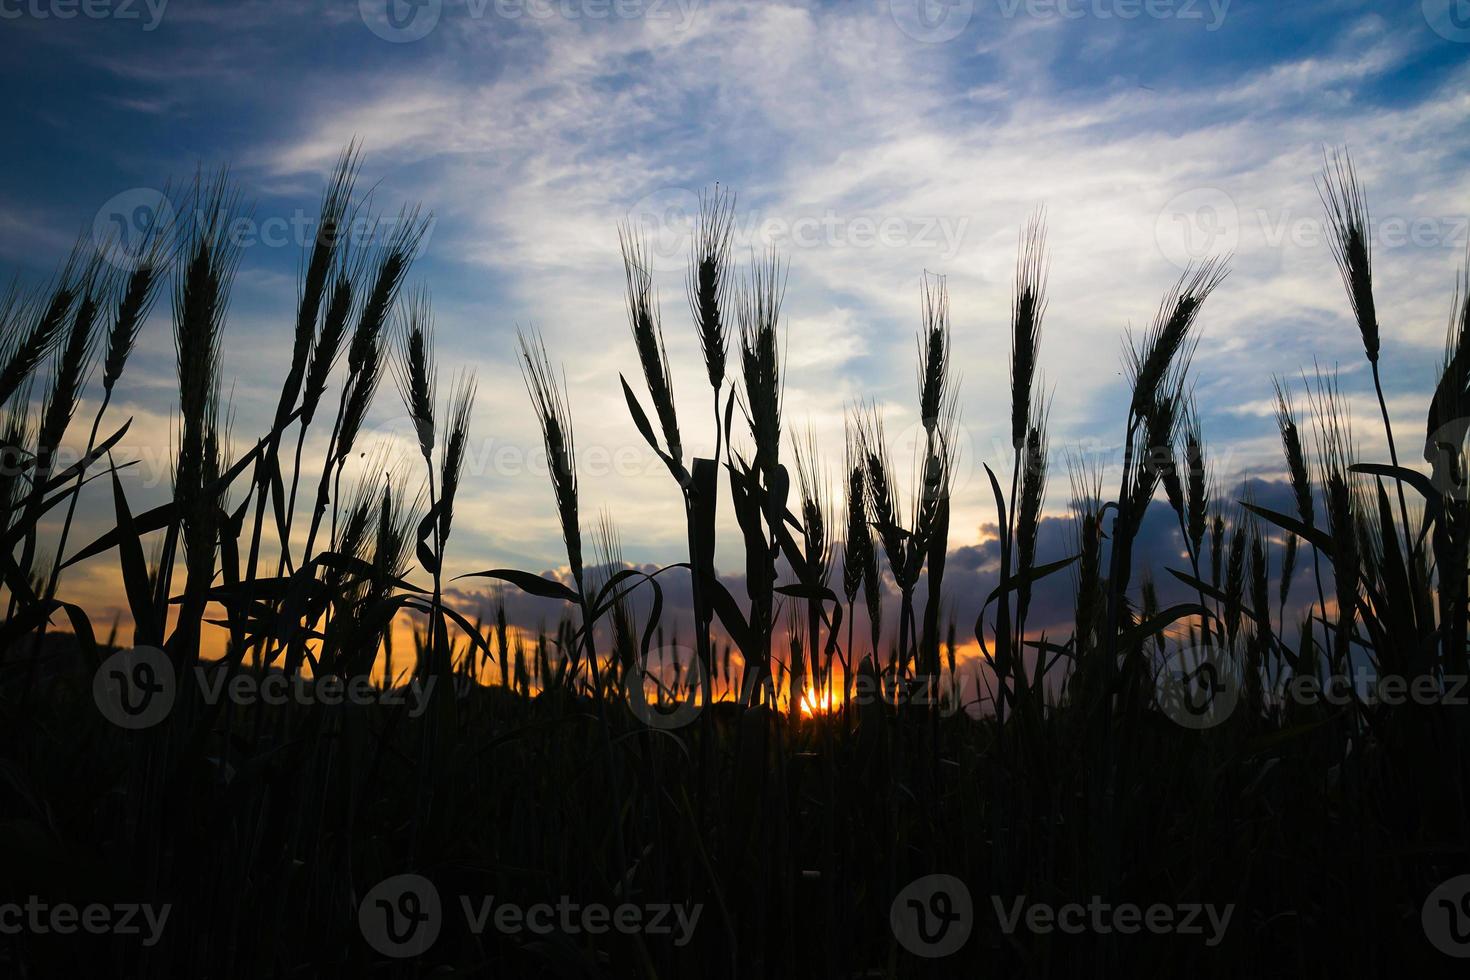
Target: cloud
[[972, 572], [529, 139]]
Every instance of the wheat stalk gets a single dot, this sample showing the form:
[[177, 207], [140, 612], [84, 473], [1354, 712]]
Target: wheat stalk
[[759, 317], [208, 258], [1336, 453], [1351, 242], [709, 282], [1352, 250], [1169, 336], [648, 337], [413, 368], [934, 352], [1028, 306], [452, 454], [22, 349], [548, 398]]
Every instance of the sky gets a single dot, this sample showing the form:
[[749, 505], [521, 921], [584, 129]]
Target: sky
[[869, 142]]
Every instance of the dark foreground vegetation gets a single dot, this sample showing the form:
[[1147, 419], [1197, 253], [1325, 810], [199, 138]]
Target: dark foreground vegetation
[[648, 815]]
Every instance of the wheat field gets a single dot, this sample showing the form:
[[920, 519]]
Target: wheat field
[[790, 784]]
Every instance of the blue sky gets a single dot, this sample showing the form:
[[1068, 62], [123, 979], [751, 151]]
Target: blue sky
[[869, 142]]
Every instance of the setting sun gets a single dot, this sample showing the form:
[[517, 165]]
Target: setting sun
[[813, 704]]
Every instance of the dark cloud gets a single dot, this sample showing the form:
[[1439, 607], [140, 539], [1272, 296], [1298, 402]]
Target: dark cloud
[[971, 572]]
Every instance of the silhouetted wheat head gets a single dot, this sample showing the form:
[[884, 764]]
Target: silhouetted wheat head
[[1063, 773]]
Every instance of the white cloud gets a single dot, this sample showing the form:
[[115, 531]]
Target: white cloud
[[530, 141]]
